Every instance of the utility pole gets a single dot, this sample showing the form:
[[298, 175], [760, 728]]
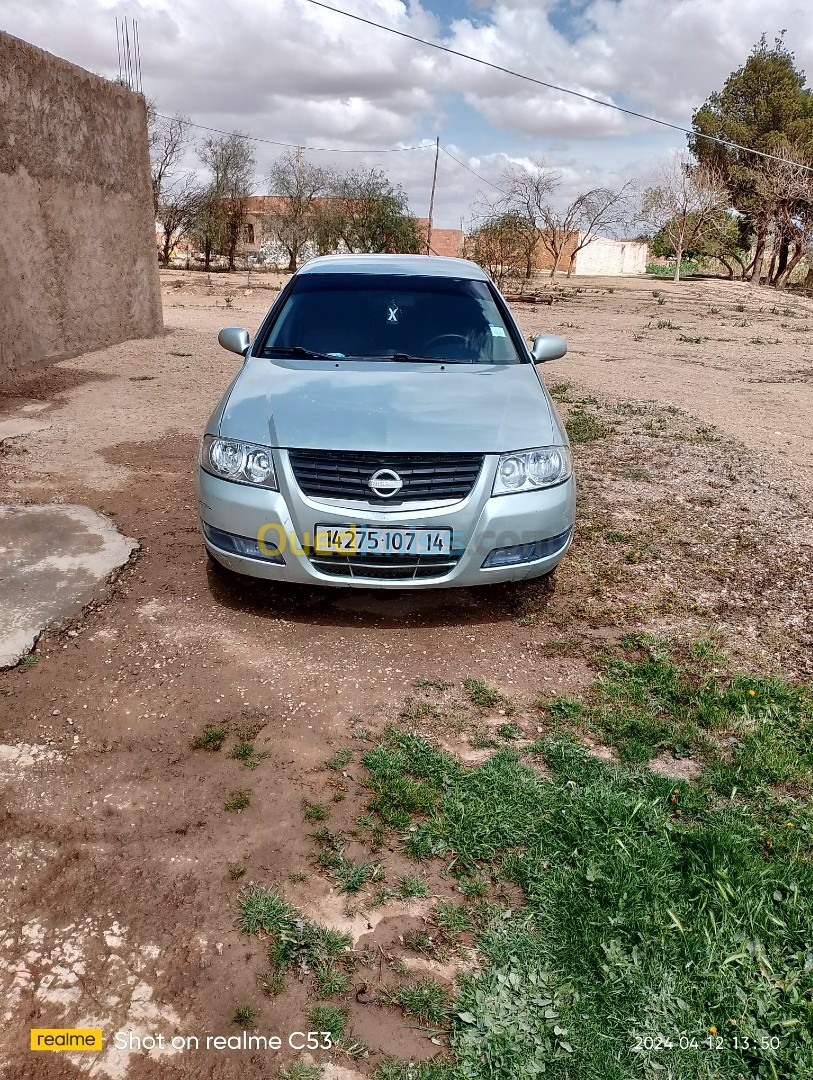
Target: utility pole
[[432, 198]]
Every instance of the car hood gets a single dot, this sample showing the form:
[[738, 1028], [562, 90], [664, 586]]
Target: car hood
[[396, 407]]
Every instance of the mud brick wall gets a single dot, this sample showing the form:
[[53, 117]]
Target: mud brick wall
[[78, 266]]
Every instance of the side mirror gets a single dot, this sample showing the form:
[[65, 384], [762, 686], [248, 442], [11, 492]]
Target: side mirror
[[548, 347], [235, 339]]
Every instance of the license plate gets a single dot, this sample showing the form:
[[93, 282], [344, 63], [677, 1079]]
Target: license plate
[[371, 540]]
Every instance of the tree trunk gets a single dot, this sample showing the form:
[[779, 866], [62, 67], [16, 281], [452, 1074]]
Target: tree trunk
[[556, 263], [678, 259], [166, 250], [728, 267], [207, 252], [790, 266], [759, 254], [292, 262], [782, 262], [808, 285]]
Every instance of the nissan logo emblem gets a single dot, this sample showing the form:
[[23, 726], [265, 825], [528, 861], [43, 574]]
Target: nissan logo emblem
[[385, 483]]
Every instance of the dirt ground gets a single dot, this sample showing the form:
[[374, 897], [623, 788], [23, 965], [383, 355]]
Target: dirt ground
[[116, 852]]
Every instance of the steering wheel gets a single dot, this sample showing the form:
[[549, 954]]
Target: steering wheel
[[446, 337]]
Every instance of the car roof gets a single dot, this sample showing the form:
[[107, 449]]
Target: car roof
[[423, 265]]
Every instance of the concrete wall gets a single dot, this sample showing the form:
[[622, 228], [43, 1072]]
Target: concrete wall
[[611, 257], [78, 267]]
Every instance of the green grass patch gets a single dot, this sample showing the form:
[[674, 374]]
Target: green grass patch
[[237, 801], [348, 875], [411, 887], [295, 940], [329, 1018], [484, 697], [425, 1000], [244, 1015], [583, 426], [340, 760], [648, 907], [654, 695], [314, 811], [211, 738]]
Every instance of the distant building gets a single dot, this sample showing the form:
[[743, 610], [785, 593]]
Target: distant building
[[260, 207], [600, 257]]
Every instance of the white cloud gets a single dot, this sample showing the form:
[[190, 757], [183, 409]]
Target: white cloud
[[286, 70]]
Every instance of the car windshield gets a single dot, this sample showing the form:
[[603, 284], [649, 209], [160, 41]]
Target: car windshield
[[392, 317]]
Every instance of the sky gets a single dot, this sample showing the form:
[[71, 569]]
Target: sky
[[287, 70]]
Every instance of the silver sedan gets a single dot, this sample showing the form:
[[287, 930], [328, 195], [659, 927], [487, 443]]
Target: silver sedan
[[387, 429]]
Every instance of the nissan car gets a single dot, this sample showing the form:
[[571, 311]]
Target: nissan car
[[388, 428]]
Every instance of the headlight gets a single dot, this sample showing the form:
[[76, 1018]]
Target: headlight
[[245, 463], [528, 470]]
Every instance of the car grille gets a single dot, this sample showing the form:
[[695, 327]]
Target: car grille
[[334, 474], [393, 567]]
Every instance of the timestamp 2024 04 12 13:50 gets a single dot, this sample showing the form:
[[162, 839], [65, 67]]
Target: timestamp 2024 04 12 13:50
[[710, 1041]]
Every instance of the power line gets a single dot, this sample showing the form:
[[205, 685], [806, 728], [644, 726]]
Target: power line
[[277, 142], [559, 89], [472, 171]]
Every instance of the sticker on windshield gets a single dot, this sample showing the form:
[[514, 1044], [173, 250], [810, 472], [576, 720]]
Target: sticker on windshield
[[393, 312], [497, 331]]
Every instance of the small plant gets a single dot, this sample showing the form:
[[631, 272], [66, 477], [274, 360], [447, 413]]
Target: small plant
[[237, 801], [661, 301], [340, 760], [329, 980], [411, 887], [690, 340], [330, 1018], [451, 917], [425, 1000], [314, 811], [211, 738], [271, 982], [419, 941], [484, 697], [583, 426], [244, 751], [473, 887], [739, 307], [29, 661], [559, 391], [244, 1015], [228, 300], [432, 684], [236, 872], [509, 732], [300, 1070], [665, 324]]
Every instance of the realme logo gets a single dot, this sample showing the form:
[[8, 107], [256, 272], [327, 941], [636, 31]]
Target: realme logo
[[66, 1038]]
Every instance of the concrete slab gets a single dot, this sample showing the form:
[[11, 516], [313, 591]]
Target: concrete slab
[[16, 426], [54, 559]]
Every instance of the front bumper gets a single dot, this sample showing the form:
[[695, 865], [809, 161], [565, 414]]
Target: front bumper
[[480, 523]]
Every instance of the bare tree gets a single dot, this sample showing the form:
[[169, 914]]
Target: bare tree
[[231, 163], [524, 200], [299, 187], [179, 208], [593, 213], [682, 202], [169, 137]]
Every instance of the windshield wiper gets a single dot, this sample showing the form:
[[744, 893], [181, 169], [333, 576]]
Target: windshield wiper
[[300, 350], [407, 358]]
